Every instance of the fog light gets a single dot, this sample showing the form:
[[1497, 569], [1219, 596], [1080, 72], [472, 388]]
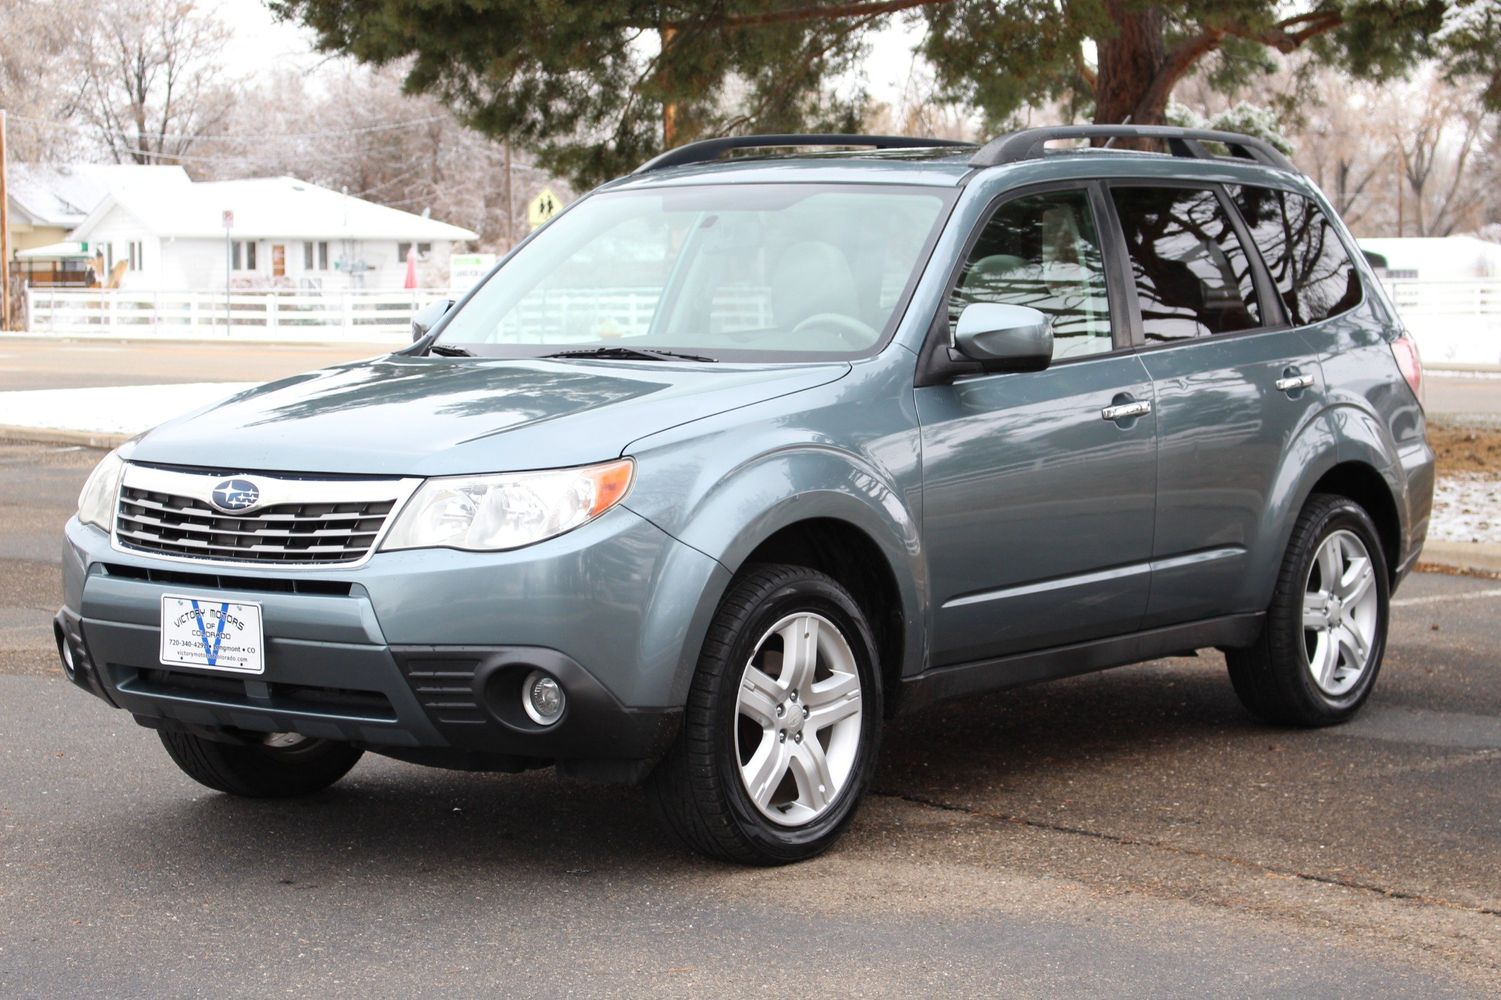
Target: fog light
[[543, 698], [69, 667]]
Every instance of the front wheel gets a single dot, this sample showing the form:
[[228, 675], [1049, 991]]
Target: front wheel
[[1321, 647], [782, 723], [277, 765]]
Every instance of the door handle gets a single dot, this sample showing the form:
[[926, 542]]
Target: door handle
[[1125, 411], [1292, 382]]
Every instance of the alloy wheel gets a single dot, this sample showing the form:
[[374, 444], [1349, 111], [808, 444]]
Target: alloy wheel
[[797, 726], [1341, 606]]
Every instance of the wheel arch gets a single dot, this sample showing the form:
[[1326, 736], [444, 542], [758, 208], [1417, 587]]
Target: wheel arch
[[852, 557], [1358, 481]]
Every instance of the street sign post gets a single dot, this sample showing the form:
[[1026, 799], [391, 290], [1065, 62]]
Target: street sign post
[[228, 219]]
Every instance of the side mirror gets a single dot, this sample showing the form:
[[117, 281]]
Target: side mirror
[[1005, 338], [424, 319]]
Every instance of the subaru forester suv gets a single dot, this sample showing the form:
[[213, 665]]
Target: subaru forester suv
[[743, 453]]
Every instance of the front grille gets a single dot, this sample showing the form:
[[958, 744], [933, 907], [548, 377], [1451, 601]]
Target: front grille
[[176, 525]]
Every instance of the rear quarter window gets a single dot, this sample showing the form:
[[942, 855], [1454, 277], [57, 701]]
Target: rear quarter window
[[1308, 263]]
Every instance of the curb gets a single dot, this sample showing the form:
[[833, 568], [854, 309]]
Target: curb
[[1466, 557], [49, 435]]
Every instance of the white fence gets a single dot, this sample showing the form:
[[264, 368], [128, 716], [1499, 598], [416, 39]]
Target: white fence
[[360, 316], [1454, 322]]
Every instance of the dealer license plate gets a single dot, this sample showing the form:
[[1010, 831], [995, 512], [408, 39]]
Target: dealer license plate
[[212, 634]]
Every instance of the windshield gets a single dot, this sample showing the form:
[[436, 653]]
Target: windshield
[[762, 272]]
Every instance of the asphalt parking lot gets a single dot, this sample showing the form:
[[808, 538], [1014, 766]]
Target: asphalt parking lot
[[1133, 833]]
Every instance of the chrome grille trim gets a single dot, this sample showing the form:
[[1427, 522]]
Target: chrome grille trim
[[314, 523]]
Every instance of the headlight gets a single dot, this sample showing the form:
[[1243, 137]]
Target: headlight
[[96, 504], [487, 513]]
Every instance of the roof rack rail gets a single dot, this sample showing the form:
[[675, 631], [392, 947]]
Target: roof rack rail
[[1028, 144], [712, 149]]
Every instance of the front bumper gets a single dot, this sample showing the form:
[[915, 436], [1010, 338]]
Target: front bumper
[[417, 654]]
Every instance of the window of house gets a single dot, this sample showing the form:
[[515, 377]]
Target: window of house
[[315, 256], [109, 257], [1043, 251], [243, 255], [424, 250], [1308, 264], [1193, 277], [137, 259]]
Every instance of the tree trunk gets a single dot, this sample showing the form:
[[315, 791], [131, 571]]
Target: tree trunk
[[1129, 61]]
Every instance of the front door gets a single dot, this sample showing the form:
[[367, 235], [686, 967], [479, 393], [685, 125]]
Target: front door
[[1039, 487], [278, 260]]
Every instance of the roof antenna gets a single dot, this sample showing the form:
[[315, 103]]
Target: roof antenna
[[1111, 141]]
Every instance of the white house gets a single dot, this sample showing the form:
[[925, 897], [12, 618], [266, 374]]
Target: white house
[[48, 202], [281, 233], [1436, 258]]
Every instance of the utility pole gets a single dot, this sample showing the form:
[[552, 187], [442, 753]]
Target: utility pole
[[4, 231], [510, 203], [1398, 163]]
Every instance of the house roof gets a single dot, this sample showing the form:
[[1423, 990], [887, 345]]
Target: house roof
[[267, 208], [65, 195]]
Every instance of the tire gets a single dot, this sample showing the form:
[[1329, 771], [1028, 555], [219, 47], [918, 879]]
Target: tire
[[744, 727], [260, 770], [1292, 677]]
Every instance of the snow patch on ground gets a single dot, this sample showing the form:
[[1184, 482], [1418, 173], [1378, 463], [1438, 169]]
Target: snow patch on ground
[[126, 409], [1467, 508]]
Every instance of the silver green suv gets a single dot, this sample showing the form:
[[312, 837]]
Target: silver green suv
[[742, 454]]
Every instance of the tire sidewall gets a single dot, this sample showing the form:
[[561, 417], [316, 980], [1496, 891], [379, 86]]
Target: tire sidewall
[[820, 595], [1346, 516]]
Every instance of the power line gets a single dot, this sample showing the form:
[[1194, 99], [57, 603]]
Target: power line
[[56, 125]]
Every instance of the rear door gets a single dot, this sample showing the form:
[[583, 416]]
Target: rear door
[[1038, 487], [1233, 384]]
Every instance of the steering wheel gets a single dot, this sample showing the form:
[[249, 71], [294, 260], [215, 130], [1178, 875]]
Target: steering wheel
[[849, 329]]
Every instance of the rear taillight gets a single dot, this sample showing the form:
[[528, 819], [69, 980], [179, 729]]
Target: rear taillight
[[1409, 363]]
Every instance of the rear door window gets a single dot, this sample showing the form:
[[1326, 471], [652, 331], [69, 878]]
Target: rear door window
[[1193, 276], [1043, 251], [1308, 263]]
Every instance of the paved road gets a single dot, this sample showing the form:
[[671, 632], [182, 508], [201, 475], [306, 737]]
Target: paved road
[[47, 364], [1127, 834]]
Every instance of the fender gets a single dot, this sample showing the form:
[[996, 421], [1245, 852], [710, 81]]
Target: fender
[[781, 489], [727, 483], [1313, 451], [1342, 433]]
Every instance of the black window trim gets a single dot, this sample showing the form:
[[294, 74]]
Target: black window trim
[[938, 362], [1273, 320]]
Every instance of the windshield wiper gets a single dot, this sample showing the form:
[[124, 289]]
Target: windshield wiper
[[629, 354], [449, 351]]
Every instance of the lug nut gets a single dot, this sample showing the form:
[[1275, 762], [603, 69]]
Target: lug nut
[[782, 736], [805, 711], [781, 710], [798, 738], [793, 696]]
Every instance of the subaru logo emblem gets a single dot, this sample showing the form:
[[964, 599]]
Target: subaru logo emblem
[[236, 495]]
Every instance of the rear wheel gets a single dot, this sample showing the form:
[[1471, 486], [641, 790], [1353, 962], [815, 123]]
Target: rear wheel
[[1321, 648], [781, 727], [277, 765]]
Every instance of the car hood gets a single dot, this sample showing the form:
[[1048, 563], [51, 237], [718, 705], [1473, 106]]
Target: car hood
[[424, 416]]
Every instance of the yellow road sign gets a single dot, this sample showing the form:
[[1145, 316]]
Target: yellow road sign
[[542, 208]]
